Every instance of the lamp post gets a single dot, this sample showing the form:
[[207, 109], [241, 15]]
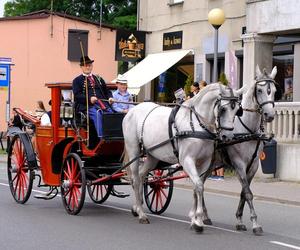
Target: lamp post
[[216, 17]]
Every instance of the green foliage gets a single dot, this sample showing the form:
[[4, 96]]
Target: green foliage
[[115, 12], [223, 79], [188, 83]]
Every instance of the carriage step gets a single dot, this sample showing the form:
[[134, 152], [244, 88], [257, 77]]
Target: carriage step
[[48, 196], [118, 194]]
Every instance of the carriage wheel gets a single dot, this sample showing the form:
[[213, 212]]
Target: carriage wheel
[[73, 184], [99, 192], [20, 176], [158, 193]]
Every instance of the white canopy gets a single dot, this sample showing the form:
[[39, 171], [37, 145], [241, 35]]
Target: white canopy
[[152, 66]]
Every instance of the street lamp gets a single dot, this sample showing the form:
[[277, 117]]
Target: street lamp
[[216, 17]]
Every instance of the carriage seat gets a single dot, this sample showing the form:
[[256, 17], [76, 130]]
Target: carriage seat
[[112, 126]]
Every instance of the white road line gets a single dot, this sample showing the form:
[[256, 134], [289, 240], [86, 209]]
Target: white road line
[[151, 215], [285, 245], [170, 218]]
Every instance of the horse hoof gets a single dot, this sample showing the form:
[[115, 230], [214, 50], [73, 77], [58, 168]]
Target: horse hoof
[[241, 227], [144, 221], [198, 229], [134, 213], [207, 222], [258, 231]]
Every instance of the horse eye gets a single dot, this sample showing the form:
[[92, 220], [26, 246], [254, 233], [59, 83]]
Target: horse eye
[[222, 109], [259, 91]]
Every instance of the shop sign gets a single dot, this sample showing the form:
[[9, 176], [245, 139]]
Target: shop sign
[[5, 63], [130, 45], [172, 40]]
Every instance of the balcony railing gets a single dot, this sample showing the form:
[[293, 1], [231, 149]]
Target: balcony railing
[[285, 125]]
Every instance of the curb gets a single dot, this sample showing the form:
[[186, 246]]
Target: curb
[[236, 194]]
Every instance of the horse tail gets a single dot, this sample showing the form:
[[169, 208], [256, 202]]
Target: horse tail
[[125, 158]]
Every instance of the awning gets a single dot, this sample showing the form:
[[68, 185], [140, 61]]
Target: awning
[[152, 66]]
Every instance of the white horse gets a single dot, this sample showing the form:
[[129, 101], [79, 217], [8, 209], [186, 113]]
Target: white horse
[[258, 105], [147, 125]]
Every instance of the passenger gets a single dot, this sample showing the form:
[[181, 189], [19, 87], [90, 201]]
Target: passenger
[[202, 84], [42, 114], [194, 89], [97, 90], [121, 94]]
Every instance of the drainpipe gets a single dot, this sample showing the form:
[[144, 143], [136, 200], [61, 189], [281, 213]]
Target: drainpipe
[[138, 15], [51, 11], [100, 22]]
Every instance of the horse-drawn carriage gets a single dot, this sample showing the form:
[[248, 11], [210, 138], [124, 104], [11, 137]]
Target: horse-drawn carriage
[[61, 157], [66, 159]]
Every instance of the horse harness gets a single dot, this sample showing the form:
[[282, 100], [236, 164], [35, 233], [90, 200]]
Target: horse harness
[[207, 134], [254, 135]]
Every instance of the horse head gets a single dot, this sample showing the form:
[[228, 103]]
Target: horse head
[[264, 91], [226, 108]]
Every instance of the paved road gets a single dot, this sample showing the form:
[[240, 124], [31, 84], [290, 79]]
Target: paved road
[[45, 225]]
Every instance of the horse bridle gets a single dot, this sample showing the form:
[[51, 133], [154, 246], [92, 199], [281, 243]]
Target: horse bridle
[[268, 82], [233, 100]]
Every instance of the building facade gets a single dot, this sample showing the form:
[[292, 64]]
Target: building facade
[[185, 24], [45, 48], [273, 38]]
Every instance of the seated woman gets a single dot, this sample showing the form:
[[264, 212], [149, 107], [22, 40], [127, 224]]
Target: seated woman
[[121, 94], [41, 113]]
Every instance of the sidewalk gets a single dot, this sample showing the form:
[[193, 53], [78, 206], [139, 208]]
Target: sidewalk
[[263, 189]]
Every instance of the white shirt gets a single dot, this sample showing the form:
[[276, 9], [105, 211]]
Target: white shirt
[[45, 120]]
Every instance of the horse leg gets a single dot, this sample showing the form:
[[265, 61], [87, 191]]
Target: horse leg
[[246, 195], [257, 229], [240, 167], [149, 164], [134, 169], [190, 169], [206, 220], [192, 212]]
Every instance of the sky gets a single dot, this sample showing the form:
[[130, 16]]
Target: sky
[[2, 2]]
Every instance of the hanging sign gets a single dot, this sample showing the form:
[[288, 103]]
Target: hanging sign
[[172, 40], [130, 45]]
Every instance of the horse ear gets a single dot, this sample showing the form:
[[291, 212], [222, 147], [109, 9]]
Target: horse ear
[[274, 72], [242, 90], [258, 72]]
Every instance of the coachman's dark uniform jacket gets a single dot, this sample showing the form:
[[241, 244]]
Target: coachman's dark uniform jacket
[[99, 90]]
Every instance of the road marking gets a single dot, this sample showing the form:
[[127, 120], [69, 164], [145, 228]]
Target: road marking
[[169, 218], [285, 245], [151, 215]]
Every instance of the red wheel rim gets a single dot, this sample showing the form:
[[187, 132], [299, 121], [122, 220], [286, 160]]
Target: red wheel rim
[[159, 194], [19, 171], [72, 184]]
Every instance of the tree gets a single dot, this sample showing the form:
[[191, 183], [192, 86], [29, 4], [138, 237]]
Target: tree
[[119, 13], [188, 83], [223, 79]]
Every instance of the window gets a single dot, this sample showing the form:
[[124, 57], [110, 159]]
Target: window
[[285, 75], [74, 48]]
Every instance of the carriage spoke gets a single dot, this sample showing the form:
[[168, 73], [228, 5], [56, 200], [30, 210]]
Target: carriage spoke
[[152, 200], [66, 174], [156, 200], [163, 192], [152, 190]]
